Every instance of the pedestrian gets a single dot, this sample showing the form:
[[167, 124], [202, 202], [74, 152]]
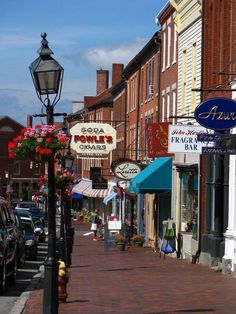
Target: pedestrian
[[94, 226]]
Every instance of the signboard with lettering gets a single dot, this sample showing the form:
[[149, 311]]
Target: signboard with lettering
[[95, 172], [216, 113], [126, 169], [157, 139], [211, 137], [93, 138], [183, 139], [99, 184], [218, 150]]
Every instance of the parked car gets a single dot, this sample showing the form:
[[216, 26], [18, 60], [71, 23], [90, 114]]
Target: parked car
[[8, 245], [22, 212], [31, 238], [21, 255], [36, 213]]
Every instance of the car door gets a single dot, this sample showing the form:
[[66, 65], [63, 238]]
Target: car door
[[11, 233]]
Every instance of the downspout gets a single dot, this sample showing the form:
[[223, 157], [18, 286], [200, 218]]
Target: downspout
[[195, 257], [125, 118], [159, 81], [137, 118]]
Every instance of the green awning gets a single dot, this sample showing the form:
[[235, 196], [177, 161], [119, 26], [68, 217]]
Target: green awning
[[155, 178]]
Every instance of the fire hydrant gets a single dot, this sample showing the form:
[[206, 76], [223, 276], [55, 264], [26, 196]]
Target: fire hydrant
[[62, 281]]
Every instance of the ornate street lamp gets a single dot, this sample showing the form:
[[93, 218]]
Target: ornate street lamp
[[69, 160], [47, 75]]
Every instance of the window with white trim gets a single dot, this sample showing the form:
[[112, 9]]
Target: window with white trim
[[164, 51], [168, 45]]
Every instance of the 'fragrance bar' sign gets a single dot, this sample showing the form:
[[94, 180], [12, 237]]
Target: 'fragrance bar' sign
[[184, 139]]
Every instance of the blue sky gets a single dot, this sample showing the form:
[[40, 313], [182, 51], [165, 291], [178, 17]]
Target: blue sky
[[84, 36]]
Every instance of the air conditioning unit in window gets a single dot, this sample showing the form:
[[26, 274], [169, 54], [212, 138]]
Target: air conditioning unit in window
[[151, 90]]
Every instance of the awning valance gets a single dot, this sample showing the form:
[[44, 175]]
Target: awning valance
[[155, 178], [84, 187], [109, 197], [77, 196]]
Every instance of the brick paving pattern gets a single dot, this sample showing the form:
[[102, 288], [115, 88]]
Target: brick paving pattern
[[138, 281]]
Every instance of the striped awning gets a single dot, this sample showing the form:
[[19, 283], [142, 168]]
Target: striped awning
[[109, 197], [84, 187]]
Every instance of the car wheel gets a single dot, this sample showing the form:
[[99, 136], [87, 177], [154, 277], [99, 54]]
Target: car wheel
[[3, 277], [12, 278]]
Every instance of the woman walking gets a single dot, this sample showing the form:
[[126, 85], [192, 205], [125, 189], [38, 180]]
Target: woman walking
[[94, 226]]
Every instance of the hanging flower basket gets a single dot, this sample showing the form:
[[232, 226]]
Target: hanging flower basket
[[38, 144], [64, 180]]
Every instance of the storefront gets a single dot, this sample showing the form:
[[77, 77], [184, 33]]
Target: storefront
[[155, 184]]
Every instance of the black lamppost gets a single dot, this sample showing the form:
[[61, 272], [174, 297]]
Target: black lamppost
[[69, 160], [47, 75]]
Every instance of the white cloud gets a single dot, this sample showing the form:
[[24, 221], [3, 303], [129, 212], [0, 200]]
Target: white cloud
[[105, 56]]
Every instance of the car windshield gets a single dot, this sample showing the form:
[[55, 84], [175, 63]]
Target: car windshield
[[27, 204], [35, 211]]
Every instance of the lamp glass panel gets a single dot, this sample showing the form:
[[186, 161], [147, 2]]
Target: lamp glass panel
[[69, 162], [48, 82]]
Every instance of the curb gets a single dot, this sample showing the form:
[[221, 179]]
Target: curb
[[18, 307]]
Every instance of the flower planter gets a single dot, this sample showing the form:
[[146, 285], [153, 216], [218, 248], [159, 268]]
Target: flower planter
[[120, 246], [138, 244]]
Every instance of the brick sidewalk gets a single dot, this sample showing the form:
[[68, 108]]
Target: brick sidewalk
[[137, 281]]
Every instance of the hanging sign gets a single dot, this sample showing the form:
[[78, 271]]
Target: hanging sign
[[93, 138], [216, 113], [125, 169], [157, 139], [184, 139]]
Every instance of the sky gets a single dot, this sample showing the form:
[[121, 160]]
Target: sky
[[85, 35]]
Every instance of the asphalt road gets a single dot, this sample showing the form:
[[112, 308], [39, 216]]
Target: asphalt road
[[23, 279]]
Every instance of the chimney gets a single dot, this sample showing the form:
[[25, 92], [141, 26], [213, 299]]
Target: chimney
[[117, 70], [102, 81], [29, 121]]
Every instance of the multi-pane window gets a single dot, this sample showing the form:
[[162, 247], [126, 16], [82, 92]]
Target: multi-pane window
[[174, 44], [194, 70], [184, 82], [16, 167], [163, 108], [168, 45], [164, 51]]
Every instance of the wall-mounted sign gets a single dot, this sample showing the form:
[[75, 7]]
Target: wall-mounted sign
[[157, 139], [217, 150], [183, 139], [99, 184], [95, 172], [216, 113], [93, 138], [126, 169]]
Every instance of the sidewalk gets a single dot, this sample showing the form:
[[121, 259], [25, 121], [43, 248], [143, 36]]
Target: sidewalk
[[137, 281]]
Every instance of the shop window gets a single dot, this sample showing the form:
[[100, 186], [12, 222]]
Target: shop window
[[189, 202]]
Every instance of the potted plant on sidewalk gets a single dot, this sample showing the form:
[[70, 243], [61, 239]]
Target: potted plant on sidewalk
[[137, 240], [120, 242]]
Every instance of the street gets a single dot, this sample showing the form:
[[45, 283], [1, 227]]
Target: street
[[137, 281], [24, 277]]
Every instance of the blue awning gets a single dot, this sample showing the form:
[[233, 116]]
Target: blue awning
[[77, 196], [109, 197], [155, 178]]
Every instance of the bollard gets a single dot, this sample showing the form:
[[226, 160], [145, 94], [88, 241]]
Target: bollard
[[62, 282]]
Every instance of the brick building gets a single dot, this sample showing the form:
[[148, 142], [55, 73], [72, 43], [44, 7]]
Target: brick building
[[19, 178]]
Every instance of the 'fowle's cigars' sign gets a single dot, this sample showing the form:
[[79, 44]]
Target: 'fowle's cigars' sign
[[216, 113], [93, 138]]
